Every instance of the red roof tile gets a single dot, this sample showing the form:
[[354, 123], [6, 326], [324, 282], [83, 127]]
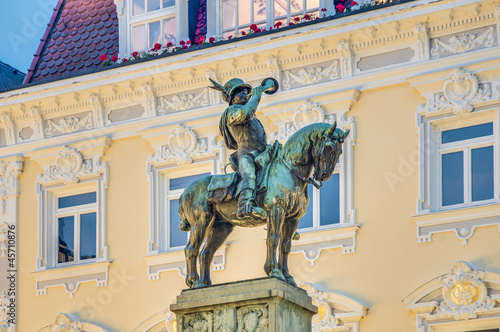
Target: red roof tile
[[78, 33]]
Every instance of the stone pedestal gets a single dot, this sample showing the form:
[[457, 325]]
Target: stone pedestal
[[257, 305]]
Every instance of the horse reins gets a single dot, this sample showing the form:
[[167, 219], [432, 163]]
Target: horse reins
[[308, 180]]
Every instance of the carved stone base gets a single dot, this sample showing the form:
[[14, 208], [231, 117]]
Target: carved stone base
[[256, 305]]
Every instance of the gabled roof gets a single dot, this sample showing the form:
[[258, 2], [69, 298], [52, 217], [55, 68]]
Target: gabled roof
[[78, 33], [10, 77]]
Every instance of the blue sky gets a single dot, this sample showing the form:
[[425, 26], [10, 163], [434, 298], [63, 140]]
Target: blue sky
[[22, 24]]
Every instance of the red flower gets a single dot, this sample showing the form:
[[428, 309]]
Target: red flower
[[114, 58], [296, 19], [124, 60], [157, 46], [169, 44], [182, 42], [211, 39], [201, 40], [265, 29], [229, 37], [135, 54], [354, 3], [307, 16], [243, 33], [340, 8], [104, 57], [183, 47], [257, 30], [188, 42], [323, 9], [291, 23], [253, 27], [278, 24]]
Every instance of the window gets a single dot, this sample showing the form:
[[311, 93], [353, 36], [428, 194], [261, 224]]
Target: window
[[324, 204], [176, 239], [76, 219], [467, 165], [71, 192], [151, 22], [238, 15]]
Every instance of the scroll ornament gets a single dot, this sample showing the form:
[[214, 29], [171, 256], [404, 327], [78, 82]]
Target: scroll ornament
[[463, 43], [66, 323], [69, 125], [183, 102], [461, 92], [311, 75], [182, 145], [69, 167], [465, 294]]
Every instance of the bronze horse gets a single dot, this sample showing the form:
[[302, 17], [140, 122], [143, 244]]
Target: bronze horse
[[317, 146]]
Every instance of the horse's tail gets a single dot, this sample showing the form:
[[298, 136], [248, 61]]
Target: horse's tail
[[184, 225]]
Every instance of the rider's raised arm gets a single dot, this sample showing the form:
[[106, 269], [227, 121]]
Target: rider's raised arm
[[239, 114]]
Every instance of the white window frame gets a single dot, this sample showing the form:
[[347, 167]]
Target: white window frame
[[466, 146], [50, 214], [75, 212], [433, 150]]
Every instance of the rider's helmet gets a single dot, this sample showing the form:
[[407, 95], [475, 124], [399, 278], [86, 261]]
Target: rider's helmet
[[232, 86]]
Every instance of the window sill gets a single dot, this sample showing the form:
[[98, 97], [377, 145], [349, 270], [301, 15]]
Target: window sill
[[312, 243], [175, 261], [461, 221], [70, 277]]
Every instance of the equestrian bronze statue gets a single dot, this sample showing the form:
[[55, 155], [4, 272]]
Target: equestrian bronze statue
[[269, 185]]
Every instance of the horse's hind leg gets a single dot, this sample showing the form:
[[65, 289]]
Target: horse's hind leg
[[191, 251], [287, 232], [216, 235]]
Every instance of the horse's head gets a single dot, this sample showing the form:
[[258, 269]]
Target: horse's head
[[326, 152]]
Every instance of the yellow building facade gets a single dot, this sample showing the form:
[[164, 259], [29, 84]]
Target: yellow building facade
[[404, 237]]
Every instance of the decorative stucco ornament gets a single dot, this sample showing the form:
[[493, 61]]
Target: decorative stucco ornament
[[182, 145], [465, 294], [66, 323], [9, 174], [69, 125], [307, 113], [150, 96], [69, 166], [4, 240], [183, 102], [463, 43], [5, 325], [311, 75], [461, 91]]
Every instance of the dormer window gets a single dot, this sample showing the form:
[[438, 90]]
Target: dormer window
[[151, 22], [238, 15]]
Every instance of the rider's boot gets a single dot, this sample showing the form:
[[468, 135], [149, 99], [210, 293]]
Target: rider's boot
[[247, 206]]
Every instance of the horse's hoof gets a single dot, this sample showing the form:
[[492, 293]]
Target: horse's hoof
[[198, 284], [277, 274], [289, 279]]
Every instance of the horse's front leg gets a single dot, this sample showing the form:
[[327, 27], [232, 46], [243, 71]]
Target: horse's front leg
[[274, 224], [287, 232]]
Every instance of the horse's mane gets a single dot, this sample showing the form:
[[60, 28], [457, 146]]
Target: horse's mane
[[297, 148]]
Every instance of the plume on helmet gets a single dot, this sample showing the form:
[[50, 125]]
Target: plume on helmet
[[218, 87]]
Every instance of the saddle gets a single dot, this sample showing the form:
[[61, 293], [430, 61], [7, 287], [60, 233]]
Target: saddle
[[222, 188]]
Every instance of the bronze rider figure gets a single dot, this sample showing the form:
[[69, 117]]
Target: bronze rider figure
[[243, 132]]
